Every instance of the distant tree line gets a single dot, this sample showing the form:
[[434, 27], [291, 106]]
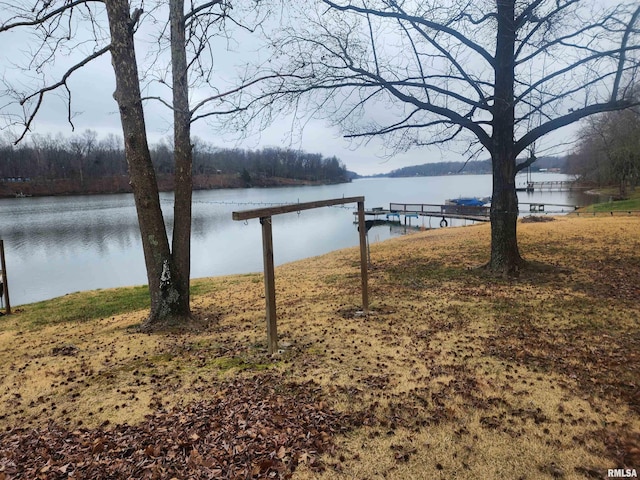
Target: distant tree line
[[477, 167], [85, 157], [443, 168], [608, 150]]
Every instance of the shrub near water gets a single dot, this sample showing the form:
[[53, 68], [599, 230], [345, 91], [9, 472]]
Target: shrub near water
[[455, 374]]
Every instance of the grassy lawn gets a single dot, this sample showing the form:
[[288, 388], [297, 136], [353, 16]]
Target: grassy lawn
[[454, 373]]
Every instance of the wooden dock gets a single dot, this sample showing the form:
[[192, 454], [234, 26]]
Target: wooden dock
[[551, 186], [416, 210], [537, 207], [459, 212]]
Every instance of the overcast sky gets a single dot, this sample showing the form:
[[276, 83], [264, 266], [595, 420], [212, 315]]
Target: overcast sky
[[94, 108]]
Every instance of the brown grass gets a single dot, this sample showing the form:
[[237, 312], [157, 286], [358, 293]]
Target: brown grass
[[453, 375]]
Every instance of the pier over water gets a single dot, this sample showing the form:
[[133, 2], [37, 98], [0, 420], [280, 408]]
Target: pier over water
[[475, 213], [551, 186]]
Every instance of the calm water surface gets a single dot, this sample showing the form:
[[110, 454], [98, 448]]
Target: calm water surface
[[59, 245]]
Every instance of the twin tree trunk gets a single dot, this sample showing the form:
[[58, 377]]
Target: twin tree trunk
[[168, 278], [505, 256]]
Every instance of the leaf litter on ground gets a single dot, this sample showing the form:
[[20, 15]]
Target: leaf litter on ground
[[452, 371]]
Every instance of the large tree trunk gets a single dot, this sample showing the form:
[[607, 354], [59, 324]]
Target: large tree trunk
[[166, 297], [182, 154], [505, 256]]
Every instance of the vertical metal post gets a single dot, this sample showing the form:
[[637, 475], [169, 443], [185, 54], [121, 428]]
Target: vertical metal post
[[269, 285], [5, 285], [363, 257]]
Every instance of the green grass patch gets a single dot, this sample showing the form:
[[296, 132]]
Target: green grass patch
[[95, 304], [629, 204], [204, 287], [83, 306]]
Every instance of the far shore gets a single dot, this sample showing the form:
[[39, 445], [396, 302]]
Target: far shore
[[120, 184]]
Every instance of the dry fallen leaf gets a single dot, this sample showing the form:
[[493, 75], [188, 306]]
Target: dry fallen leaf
[[291, 416]]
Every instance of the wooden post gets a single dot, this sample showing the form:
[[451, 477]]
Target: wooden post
[[363, 257], [269, 285], [265, 214], [5, 285]]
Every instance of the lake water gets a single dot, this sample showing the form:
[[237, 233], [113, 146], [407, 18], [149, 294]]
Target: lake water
[[59, 245]]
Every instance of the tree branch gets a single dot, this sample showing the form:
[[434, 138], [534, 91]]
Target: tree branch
[[456, 64], [571, 117], [53, 13], [397, 127], [200, 8], [529, 161], [526, 13], [625, 39], [240, 88], [63, 82], [373, 46], [419, 20], [573, 66], [546, 46], [452, 115]]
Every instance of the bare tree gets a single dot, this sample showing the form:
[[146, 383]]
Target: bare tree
[[56, 24], [496, 75], [608, 151], [82, 146]]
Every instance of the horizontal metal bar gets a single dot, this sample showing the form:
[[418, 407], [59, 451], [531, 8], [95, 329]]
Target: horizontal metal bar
[[296, 207]]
